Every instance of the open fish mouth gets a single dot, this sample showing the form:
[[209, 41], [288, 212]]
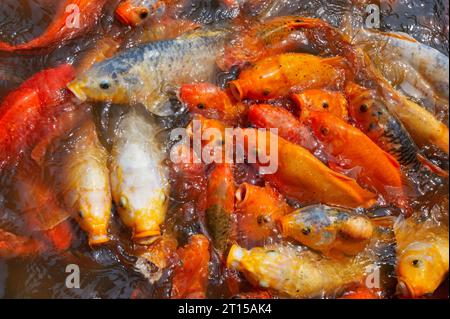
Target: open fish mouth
[[403, 289], [75, 88]]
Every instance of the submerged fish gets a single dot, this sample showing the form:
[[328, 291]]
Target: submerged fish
[[12, 245], [24, 110], [85, 184], [191, 275], [289, 272], [74, 17], [139, 183], [328, 229], [146, 74], [422, 256]]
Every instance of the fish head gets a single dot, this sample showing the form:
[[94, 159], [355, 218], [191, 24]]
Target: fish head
[[311, 225], [102, 83], [328, 129], [136, 12], [416, 270]]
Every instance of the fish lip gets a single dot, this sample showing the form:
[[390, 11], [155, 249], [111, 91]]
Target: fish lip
[[74, 87], [403, 287]]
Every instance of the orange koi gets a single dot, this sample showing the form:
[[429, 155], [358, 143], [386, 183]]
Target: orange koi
[[279, 75], [321, 100], [23, 109], [289, 127], [191, 275], [12, 245], [303, 177], [74, 17], [211, 102], [220, 205], [257, 210], [351, 152]]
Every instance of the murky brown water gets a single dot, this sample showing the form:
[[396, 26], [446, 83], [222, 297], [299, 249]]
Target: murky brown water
[[108, 272]]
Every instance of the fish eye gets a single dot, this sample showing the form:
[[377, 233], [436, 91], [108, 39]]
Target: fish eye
[[143, 15], [80, 214], [325, 105], [324, 130], [416, 263], [105, 85], [306, 231], [363, 108], [201, 106]]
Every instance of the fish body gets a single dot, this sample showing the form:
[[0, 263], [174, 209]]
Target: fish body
[[85, 183], [295, 274], [147, 73], [422, 256], [371, 116], [276, 76], [23, 110], [74, 17], [303, 177], [431, 64], [289, 127], [327, 229], [12, 245], [219, 212], [139, 182], [321, 100], [349, 149], [257, 210], [191, 276]]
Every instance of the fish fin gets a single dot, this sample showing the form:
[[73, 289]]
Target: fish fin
[[431, 166], [392, 159]]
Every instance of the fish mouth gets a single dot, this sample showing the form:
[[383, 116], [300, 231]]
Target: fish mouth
[[76, 88], [403, 289]]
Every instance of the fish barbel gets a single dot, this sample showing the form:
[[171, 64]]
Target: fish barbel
[[85, 183], [139, 183], [148, 73], [292, 273]]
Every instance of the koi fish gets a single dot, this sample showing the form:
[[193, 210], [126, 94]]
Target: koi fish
[[219, 213], [253, 40], [288, 272], [303, 177], [23, 109], [350, 150], [276, 76], [422, 256], [191, 275], [360, 293], [371, 116], [257, 211], [330, 230], [85, 184], [74, 17], [139, 184], [211, 102], [289, 127], [145, 74], [104, 49], [135, 12], [321, 100], [12, 245]]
